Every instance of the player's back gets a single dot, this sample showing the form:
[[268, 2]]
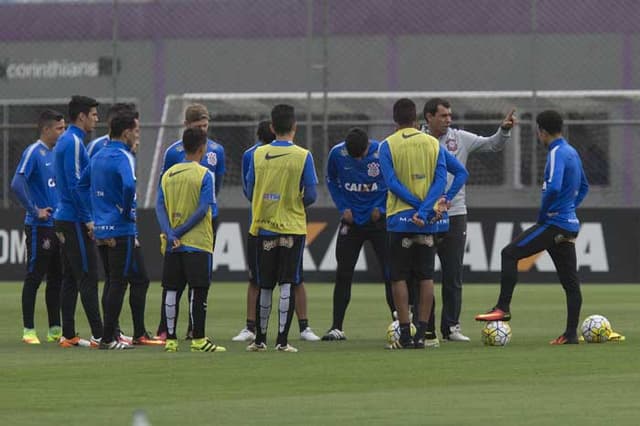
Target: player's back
[[70, 160], [568, 184], [96, 145]]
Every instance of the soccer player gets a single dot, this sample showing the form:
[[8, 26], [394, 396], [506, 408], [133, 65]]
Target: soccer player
[[195, 116], [414, 169], [359, 192], [460, 143], [74, 224], [281, 182], [564, 188], [139, 278], [184, 210], [248, 334], [35, 186]]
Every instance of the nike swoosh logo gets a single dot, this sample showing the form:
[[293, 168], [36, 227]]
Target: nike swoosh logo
[[172, 174], [404, 135], [271, 157], [47, 164]]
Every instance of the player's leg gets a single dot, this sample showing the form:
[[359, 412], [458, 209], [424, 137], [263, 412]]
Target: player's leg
[[88, 282], [173, 282], [54, 286], [35, 272], [423, 260], [289, 274], [377, 235], [400, 262], [533, 240], [452, 250], [348, 245], [120, 260], [563, 254], [248, 333], [138, 286], [267, 276]]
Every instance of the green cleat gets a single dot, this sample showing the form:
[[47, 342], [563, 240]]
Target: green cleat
[[54, 334], [205, 345], [171, 345], [30, 337]]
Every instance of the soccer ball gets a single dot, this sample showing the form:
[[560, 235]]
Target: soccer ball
[[496, 333], [596, 329], [393, 332]]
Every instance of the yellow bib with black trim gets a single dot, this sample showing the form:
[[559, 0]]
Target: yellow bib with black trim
[[414, 155], [181, 185], [277, 198]]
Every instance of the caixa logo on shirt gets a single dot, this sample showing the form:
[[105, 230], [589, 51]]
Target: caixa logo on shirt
[[361, 187]]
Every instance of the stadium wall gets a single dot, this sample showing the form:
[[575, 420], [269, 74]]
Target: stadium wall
[[608, 246]]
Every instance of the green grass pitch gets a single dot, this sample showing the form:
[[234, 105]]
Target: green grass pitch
[[352, 382]]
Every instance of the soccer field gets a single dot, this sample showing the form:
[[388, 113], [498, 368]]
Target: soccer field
[[352, 382]]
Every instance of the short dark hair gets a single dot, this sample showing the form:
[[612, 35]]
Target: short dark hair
[[126, 119], [264, 133], [47, 117], [356, 142], [431, 106], [550, 121], [80, 104], [283, 118], [192, 139], [404, 112], [120, 107]]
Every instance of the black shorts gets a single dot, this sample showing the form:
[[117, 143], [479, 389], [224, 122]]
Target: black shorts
[[252, 258], [411, 255], [182, 268], [279, 259], [43, 250]]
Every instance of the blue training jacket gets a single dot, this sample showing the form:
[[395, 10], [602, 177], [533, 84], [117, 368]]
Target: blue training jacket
[[70, 160], [34, 182], [565, 186], [111, 182], [96, 145], [356, 184]]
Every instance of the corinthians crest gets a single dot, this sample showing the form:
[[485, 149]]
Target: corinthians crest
[[373, 169]]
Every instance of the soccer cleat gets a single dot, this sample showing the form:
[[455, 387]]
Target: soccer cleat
[[171, 345], [124, 339], [146, 339], [419, 344], [54, 334], [400, 345], [455, 334], [161, 336], [431, 343], [115, 345], [308, 335], [95, 343], [615, 337], [245, 335], [257, 347], [495, 314], [286, 348], [564, 340], [30, 337], [205, 345], [334, 334], [74, 342]]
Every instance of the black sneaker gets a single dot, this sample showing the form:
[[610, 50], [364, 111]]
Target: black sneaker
[[334, 334]]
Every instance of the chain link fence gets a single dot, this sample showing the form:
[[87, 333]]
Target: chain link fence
[[342, 64]]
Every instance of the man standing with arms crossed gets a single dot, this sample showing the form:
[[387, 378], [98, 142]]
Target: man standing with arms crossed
[[460, 143], [35, 186], [415, 171], [74, 225], [281, 182], [564, 188]]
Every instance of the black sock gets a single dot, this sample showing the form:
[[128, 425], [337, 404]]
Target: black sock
[[421, 330], [52, 298], [303, 323], [198, 303], [405, 332], [251, 325]]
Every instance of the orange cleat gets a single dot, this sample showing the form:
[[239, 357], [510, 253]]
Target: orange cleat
[[145, 339], [564, 340], [495, 314]]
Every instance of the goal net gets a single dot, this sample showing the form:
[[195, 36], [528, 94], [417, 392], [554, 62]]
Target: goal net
[[602, 125]]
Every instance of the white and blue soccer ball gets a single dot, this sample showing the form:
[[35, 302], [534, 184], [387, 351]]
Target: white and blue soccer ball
[[496, 333], [393, 331], [596, 329]]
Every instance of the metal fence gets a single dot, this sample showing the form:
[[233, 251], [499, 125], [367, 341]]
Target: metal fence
[[148, 51]]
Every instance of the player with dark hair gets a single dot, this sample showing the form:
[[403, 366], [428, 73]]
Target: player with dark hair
[[74, 224], [459, 143], [184, 209], [98, 143], [564, 188], [359, 192], [281, 182], [414, 169], [196, 116], [248, 333], [34, 185]]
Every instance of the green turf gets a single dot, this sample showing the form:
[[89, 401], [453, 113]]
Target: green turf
[[352, 382]]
